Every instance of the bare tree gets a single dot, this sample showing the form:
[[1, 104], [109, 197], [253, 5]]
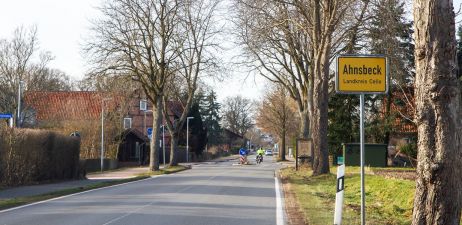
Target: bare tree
[[139, 39], [20, 61], [438, 198], [277, 47], [197, 41], [237, 114], [293, 43], [276, 116]]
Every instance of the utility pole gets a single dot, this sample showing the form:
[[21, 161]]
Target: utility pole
[[102, 131], [18, 117]]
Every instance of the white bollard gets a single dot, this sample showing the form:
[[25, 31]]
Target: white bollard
[[339, 195]]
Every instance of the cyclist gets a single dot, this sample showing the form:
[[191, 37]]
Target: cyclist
[[260, 153]]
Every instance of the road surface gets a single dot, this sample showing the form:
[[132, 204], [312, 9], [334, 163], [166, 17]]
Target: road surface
[[208, 194]]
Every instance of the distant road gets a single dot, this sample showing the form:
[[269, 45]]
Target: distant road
[[209, 194]]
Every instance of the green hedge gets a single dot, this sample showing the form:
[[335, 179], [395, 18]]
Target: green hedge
[[30, 156]]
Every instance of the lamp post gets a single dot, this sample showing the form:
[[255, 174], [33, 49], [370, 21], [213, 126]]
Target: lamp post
[[102, 131], [18, 118], [187, 137], [163, 142]]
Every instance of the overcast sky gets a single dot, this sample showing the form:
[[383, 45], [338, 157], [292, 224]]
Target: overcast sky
[[63, 25]]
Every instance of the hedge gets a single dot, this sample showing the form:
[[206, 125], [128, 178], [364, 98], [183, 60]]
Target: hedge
[[30, 156]]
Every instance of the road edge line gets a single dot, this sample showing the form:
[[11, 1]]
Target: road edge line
[[74, 194], [279, 209]]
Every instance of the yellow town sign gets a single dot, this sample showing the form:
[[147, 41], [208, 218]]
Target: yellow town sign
[[358, 74]]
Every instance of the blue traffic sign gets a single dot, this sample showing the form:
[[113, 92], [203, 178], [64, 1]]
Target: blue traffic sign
[[149, 130], [6, 116]]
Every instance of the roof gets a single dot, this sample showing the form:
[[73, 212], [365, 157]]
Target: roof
[[136, 133], [175, 107], [60, 105]]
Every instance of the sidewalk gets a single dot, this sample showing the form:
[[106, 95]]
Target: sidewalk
[[93, 178]]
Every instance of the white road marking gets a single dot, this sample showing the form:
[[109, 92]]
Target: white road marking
[[279, 210], [65, 196]]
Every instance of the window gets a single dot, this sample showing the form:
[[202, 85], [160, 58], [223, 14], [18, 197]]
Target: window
[[143, 105], [127, 123]]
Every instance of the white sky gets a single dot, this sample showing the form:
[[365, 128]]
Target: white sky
[[63, 25]]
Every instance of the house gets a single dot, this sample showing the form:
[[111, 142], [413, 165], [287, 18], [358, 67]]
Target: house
[[232, 140], [125, 125]]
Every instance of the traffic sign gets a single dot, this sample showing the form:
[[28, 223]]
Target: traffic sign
[[6, 116], [361, 74], [149, 131]]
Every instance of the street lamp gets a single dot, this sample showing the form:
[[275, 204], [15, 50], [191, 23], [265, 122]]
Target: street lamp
[[187, 137], [18, 118], [163, 141], [102, 131]]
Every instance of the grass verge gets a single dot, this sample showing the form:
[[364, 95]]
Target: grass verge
[[168, 170], [9, 203], [388, 201]]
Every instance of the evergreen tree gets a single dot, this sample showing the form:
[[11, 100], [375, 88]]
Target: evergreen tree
[[390, 34], [210, 113], [459, 51], [343, 121]]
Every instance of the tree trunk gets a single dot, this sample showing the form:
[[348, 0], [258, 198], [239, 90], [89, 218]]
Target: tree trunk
[[156, 134], [282, 150], [173, 149], [437, 90], [386, 138], [319, 118], [304, 124]]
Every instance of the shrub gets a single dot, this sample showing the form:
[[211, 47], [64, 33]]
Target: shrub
[[29, 156], [410, 149]]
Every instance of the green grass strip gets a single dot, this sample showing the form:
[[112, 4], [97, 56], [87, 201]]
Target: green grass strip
[[388, 201]]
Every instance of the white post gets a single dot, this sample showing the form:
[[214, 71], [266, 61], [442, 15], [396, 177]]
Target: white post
[[18, 117], [339, 195], [102, 135], [187, 138], [102, 132], [11, 122], [361, 136]]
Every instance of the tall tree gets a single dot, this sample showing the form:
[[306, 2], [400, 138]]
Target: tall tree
[[196, 43], [138, 39], [18, 64], [210, 112], [390, 34], [276, 115], [343, 121], [293, 43], [459, 51], [237, 114], [438, 199]]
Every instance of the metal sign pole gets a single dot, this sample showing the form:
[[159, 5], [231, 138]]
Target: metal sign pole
[[361, 122]]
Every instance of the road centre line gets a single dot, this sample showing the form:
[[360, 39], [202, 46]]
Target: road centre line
[[151, 203]]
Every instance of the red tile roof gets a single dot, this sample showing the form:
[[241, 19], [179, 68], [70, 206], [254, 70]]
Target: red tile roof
[[62, 105]]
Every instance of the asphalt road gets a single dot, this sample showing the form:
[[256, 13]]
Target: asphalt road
[[208, 194]]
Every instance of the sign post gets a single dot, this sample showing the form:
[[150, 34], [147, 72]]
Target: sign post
[[362, 74], [9, 117]]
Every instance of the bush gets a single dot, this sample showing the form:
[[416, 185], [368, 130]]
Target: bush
[[29, 156], [409, 149]]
